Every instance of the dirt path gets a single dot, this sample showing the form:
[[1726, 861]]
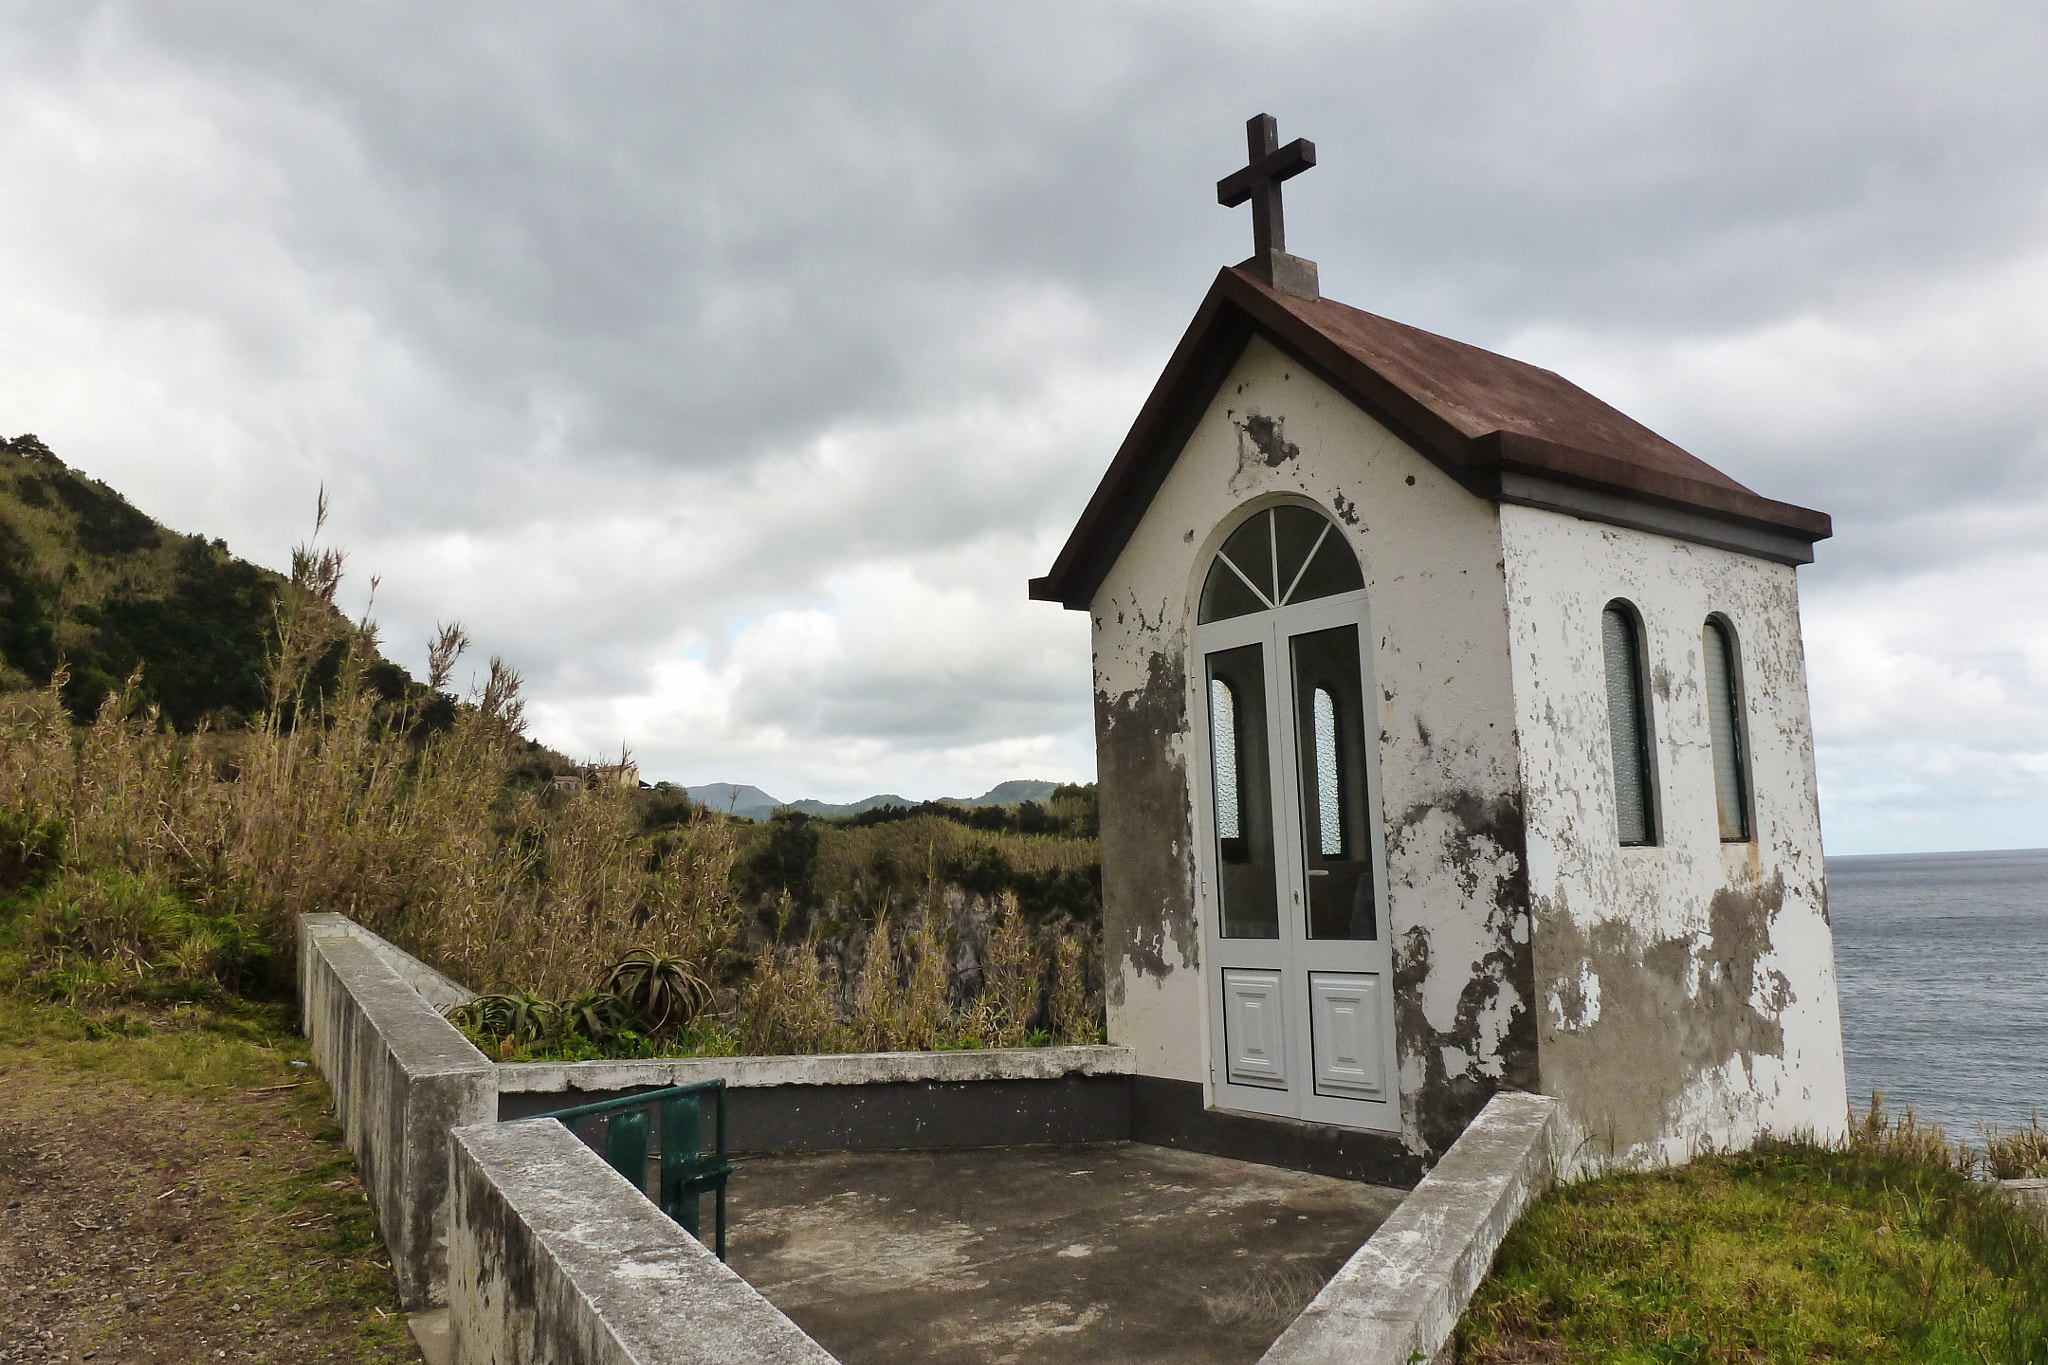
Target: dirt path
[[180, 1199]]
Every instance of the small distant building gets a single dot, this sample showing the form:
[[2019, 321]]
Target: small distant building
[[1452, 736], [625, 775]]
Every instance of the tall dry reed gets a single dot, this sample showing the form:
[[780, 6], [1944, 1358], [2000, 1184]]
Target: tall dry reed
[[147, 843], [340, 801]]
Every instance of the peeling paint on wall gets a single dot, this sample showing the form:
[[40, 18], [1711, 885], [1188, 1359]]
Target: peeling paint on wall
[[1466, 1024], [1638, 1022], [1265, 438], [1147, 829], [1685, 991]]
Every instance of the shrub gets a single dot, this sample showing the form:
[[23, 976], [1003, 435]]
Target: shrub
[[2019, 1154]]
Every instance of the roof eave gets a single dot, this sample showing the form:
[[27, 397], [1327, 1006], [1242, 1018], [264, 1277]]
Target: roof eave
[[1236, 307]]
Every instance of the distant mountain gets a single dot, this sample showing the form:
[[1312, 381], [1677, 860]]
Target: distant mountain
[[1007, 793], [729, 798], [851, 807], [755, 804]]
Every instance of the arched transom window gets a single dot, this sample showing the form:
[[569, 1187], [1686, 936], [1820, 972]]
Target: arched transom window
[[1280, 556]]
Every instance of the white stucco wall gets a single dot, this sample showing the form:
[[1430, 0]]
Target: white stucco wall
[[1449, 771], [1685, 991]]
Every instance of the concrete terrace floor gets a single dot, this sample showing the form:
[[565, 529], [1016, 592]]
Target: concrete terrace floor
[[1107, 1252]]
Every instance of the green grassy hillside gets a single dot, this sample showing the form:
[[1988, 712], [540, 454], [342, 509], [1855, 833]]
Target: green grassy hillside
[[89, 581]]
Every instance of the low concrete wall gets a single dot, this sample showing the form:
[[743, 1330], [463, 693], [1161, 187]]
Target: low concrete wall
[[866, 1102], [402, 1076], [1397, 1300], [897, 1116], [553, 1256], [847, 1068], [442, 992]]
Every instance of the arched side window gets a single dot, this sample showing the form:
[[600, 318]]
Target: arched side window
[[1724, 722], [1279, 556], [1628, 725]]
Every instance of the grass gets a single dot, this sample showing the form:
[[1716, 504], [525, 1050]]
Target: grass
[[1878, 1249], [176, 1186]]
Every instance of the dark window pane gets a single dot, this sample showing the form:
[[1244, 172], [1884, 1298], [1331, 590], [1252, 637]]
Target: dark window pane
[[1333, 570], [1627, 726], [1329, 718], [1239, 768], [1725, 723], [1296, 534], [1225, 595], [1250, 547]]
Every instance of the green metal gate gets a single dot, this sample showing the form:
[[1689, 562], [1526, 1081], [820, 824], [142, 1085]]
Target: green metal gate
[[687, 1169]]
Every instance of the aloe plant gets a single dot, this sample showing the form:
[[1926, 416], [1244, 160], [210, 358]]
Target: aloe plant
[[597, 1015], [658, 991], [523, 1018]]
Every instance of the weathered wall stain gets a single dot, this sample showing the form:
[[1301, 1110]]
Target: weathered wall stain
[[1148, 895], [1686, 991], [1629, 1023], [1489, 1041], [1267, 437]]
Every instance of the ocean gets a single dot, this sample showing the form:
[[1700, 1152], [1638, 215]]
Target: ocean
[[1943, 964]]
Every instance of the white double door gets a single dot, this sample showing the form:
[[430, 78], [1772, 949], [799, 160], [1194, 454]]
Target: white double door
[[1299, 963]]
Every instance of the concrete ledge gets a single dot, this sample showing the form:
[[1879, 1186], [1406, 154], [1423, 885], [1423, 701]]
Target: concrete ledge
[[1398, 1299], [2030, 1197], [553, 1256], [852, 1068], [442, 992], [402, 1076]]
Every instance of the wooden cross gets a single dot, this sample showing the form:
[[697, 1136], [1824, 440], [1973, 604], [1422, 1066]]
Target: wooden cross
[[1260, 181]]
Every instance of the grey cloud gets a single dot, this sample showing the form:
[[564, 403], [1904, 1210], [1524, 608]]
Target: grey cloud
[[619, 327]]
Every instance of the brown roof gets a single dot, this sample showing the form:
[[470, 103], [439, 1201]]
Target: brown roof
[[1476, 415]]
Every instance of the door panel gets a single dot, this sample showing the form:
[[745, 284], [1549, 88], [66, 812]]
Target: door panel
[[1255, 1029], [1344, 1012]]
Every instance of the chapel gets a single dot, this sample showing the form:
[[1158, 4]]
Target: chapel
[[1452, 736]]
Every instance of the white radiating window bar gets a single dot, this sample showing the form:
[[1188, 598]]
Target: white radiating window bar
[[1329, 812], [1322, 536], [1223, 742]]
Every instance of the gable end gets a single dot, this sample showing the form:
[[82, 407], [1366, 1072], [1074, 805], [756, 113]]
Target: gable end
[[1504, 430]]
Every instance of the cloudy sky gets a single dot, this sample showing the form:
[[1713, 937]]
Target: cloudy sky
[[728, 368]]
